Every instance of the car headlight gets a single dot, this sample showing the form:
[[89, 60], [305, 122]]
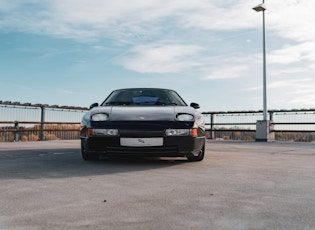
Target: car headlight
[[100, 117], [185, 117]]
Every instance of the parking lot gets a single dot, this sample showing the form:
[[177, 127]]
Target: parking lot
[[239, 185]]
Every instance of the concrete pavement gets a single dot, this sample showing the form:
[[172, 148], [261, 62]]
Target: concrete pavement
[[239, 185]]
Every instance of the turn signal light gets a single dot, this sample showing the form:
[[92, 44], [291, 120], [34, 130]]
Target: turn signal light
[[194, 132]]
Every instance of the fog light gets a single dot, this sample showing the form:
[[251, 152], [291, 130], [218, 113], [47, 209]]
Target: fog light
[[105, 132], [177, 132]]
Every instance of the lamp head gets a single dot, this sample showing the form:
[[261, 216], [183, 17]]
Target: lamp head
[[260, 7]]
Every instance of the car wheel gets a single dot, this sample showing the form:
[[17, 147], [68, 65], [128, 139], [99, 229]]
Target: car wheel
[[87, 156], [199, 157]]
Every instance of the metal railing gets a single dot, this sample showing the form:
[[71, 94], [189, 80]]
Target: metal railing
[[287, 125], [32, 122]]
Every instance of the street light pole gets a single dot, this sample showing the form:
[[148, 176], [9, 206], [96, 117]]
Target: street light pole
[[261, 7], [264, 68], [264, 127]]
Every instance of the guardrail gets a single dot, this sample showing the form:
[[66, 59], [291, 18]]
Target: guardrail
[[287, 125], [38, 131], [32, 122]]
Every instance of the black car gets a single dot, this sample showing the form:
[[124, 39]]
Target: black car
[[143, 122]]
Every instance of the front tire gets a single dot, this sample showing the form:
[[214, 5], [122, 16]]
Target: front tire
[[86, 155], [199, 157]]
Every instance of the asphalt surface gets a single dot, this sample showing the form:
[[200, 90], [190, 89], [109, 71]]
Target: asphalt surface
[[239, 185]]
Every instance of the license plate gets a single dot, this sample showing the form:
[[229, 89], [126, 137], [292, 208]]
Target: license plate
[[141, 142]]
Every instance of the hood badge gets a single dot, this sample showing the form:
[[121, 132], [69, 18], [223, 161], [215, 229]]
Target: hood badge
[[141, 118]]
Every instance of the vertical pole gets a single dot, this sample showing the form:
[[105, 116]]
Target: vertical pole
[[16, 131], [42, 126], [271, 115], [211, 126], [271, 129], [263, 127], [264, 70]]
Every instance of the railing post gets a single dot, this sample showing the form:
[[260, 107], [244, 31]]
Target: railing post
[[211, 126], [271, 115], [42, 126], [16, 131], [272, 134]]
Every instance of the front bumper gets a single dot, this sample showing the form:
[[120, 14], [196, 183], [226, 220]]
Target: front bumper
[[172, 147]]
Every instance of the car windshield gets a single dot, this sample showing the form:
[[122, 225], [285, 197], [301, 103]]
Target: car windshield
[[150, 97]]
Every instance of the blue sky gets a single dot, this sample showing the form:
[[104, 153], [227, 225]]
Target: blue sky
[[75, 52]]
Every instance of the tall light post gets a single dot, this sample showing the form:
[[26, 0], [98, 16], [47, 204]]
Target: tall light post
[[261, 7], [263, 127]]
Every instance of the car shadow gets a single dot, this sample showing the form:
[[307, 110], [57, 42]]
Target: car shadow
[[64, 163]]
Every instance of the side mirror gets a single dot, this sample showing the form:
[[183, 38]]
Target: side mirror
[[195, 105], [93, 105]]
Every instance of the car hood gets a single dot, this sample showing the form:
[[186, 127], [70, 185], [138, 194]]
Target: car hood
[[143, 113]]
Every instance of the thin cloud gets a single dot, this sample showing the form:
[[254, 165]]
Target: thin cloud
[[301, 95], [292, 83], [291, 19], [159, 58], [81, 19], [286, 71], [293, 53], [95, 18], [227, 73]]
